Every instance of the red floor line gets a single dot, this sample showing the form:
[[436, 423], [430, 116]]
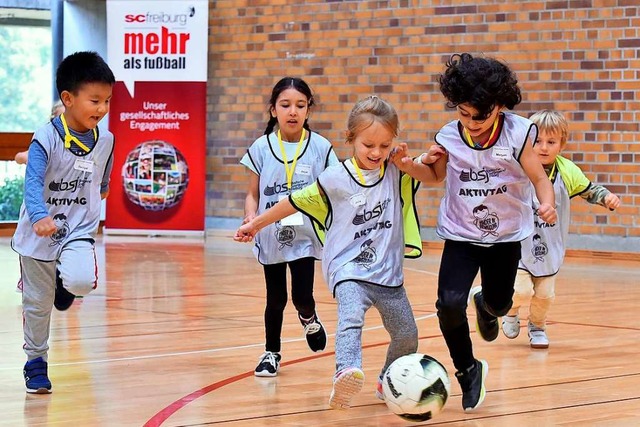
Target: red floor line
[[159, 418]]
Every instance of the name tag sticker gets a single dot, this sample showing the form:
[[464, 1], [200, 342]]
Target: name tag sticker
[[303, 170], [293, 219], [501, 153], [83, 165], [357, 199]]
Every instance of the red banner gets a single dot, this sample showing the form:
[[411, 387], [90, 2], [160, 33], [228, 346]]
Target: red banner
[[159, 168]]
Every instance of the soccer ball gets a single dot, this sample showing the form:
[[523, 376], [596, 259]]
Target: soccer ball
[[416, 387]]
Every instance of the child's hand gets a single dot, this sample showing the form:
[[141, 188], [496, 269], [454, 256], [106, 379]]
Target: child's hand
[[433, 155], [400, 157], [22, 157], [248, 218], [245, 233], [547, 213], [612, 201], [45, 227]]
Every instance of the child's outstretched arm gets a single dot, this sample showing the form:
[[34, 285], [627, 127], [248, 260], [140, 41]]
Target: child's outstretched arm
[[600, 195], [429, 167], [544, 189], [280, 210], [252, 199]]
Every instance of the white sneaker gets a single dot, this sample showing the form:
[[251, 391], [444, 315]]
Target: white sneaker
[[511, 326], [537, 337], [346, 384]]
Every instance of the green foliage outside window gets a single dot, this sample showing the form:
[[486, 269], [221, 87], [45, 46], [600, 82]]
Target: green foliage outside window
[[11, 194], [25, 77]]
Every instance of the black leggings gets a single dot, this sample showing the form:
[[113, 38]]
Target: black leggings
[[275, 275], [459, 266]]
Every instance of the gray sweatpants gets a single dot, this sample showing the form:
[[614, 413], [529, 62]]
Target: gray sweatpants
[[78, 271], [354, 299]]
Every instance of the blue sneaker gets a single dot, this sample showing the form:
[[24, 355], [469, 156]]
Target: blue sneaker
[[35, 376]]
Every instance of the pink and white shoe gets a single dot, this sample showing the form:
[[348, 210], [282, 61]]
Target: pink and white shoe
[[346, 384]]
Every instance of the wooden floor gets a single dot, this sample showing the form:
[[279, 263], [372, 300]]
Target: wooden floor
[[174, 331]]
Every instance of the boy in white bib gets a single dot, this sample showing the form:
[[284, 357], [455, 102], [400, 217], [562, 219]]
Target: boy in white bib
[[543, 251], [67, 176]]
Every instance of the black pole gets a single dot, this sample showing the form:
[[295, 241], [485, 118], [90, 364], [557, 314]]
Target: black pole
[[57, 42]]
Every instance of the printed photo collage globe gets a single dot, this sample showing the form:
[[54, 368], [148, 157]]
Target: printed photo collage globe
[[155, 176]]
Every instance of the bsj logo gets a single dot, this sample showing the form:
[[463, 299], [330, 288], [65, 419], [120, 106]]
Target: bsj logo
[[367, 215]]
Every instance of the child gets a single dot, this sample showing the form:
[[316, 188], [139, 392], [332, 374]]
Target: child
[[488, 160], [359, 203], [282, 161], [56, 110], [67, 175], [543, 251]]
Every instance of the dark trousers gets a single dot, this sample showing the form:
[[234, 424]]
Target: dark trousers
[[302, 274], [459, 266]]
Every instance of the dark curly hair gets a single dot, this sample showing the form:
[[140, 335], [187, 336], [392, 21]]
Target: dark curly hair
[[483, 83]]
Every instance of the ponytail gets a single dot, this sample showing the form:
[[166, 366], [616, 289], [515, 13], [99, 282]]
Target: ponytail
[[271, 124]]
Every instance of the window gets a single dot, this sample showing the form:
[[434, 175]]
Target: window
[[25, 92], [25, 77]]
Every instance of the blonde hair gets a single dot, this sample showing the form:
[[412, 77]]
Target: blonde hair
[[552, 122], [368, 110], [57, 109]]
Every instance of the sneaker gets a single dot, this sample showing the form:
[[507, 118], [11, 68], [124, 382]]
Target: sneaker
[[472, 384], [379, 392], [63, 298], [314, 332], [268, 365], [486, 324], [537, 337], [346, 384], [35, 376], [511, 326]]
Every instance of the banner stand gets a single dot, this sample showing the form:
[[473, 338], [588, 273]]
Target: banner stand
[[151, 233], [158, 53]]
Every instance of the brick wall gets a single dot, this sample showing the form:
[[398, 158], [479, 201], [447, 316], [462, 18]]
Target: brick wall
[[581, 57]]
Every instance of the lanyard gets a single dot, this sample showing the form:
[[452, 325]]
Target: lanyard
[[552, 173], [486, 144], [359, 172], [289, 171], [68, 138]]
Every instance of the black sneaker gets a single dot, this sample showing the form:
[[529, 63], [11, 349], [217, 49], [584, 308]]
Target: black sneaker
[[268, 365], [315, 333], [472, 384], [63, 298], [486, 324]]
